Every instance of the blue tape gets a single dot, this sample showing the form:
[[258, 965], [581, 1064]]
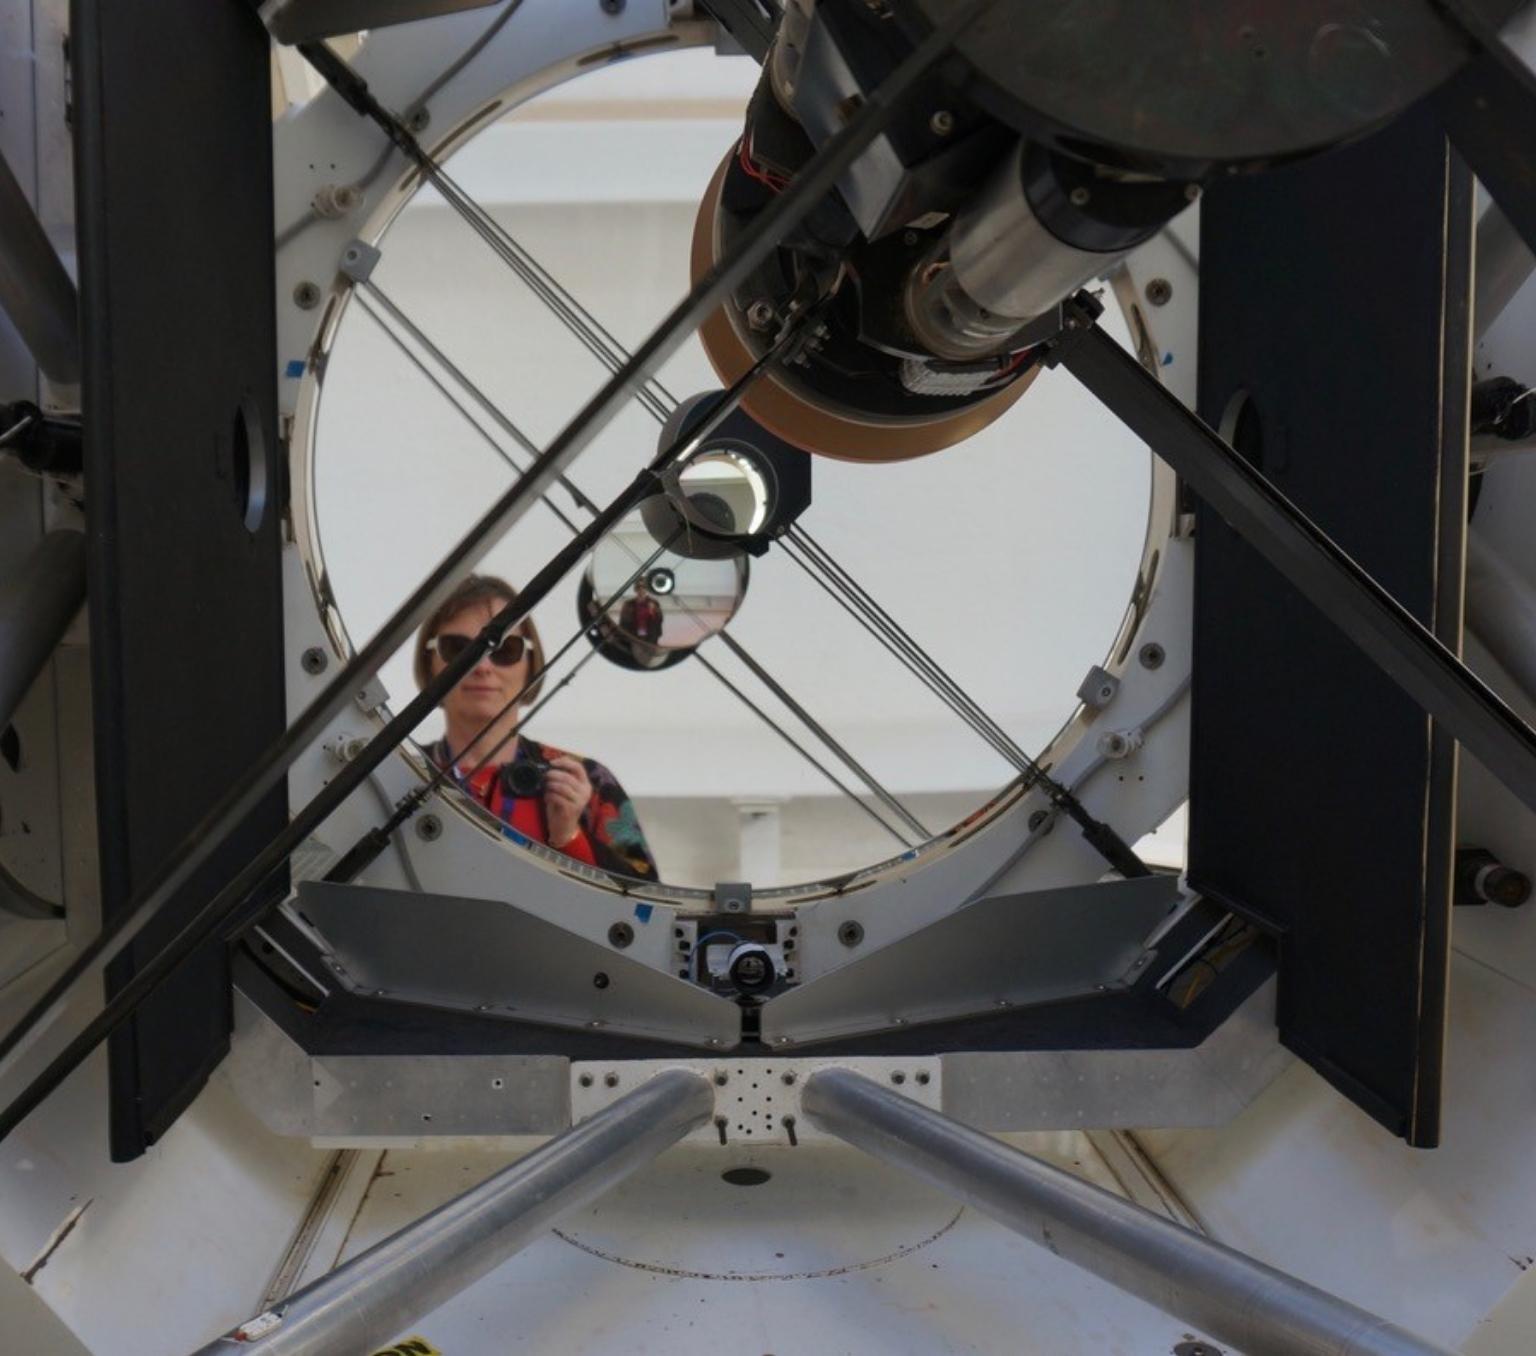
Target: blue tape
[[644, 911], [295, 368]]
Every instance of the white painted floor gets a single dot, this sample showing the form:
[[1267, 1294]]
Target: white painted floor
[[835, 1253]]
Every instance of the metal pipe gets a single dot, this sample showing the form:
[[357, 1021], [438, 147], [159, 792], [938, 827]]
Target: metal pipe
[[376, 1295], [38, 600], [35, 291], [1221, 1292]]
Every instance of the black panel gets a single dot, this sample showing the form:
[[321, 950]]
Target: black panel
[[1335, 295], [174, 194]]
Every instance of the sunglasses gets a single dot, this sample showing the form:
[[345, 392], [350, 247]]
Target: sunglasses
[[450, 646]]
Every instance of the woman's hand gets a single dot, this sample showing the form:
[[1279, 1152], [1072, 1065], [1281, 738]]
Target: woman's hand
[[566, 794]]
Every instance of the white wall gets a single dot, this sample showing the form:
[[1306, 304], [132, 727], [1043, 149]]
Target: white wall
[[1010, 558]]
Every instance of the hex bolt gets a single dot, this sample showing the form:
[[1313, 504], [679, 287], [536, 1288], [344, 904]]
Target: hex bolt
[[850, 933], [1151, 655], [429, 828], [942, 123], [314, 660], [621, 935], [1159, 291], [1079, 196], [306, 296], [761, 315]]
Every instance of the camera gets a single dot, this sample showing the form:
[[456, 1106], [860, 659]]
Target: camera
[[526, 776]]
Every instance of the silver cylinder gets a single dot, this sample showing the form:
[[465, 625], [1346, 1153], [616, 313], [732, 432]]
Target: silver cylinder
[[1228, 1296], [1006, 260], [38, 600], [375, 1296], [35, 291]]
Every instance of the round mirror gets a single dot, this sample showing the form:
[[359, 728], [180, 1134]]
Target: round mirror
[[649, 607]]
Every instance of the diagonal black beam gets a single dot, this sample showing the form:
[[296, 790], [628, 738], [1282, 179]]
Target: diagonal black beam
[[1488, 109], [1391, 636]]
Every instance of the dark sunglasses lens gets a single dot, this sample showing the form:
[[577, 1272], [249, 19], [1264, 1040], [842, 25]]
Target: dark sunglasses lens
[[508, 652], [450, 647]]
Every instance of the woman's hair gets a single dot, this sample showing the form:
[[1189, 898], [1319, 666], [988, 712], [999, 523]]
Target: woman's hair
[[477, 588]]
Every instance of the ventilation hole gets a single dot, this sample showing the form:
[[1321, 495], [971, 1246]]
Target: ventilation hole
[[745, 1176]]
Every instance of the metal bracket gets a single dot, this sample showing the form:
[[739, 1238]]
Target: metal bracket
[[358, 261], [757, 1101]]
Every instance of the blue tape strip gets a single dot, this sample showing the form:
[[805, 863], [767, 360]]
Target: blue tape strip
[[644, 911], [295, 368]]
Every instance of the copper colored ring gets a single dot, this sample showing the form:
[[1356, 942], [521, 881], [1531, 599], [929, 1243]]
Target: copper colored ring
[[790, 414]]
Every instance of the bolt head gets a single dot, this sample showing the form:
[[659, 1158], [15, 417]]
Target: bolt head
[[850, 933], [429, 828], [942, 123], [306, 296], [1159, 291], [761, 315], [1079, 196], [621, 935], [314, 660], [1151, 655]]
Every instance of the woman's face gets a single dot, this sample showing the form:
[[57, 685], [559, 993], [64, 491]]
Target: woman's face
[[485, 691]]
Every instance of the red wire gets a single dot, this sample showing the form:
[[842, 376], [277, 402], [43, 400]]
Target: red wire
[[753, 171]]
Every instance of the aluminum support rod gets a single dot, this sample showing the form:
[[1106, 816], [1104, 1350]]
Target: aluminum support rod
[[35, 291], [1223, 1293], [38, 600], [1389, 635], [374, 1297], [758, 240]]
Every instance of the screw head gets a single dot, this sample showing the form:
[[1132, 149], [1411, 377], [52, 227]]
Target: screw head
[[1151, 655], [721, 1078], [585, 1080], [420, 120], [942, 123], [1079, 196], [600, 980], [1159, 291], [1037, 819], [314, 660], [306, 296], [850, 933], [621, 935], [429, 828], [610, 1080], [787, 1078]]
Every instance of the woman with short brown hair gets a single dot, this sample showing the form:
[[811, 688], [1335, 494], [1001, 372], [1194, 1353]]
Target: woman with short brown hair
[[542, 794]]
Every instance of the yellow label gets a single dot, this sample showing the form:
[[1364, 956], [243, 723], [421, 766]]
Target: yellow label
[[410, 1346]]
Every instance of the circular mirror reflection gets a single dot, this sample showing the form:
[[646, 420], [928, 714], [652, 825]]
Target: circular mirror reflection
[[649, 607]]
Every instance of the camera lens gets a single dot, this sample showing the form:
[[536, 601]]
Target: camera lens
[[526, 777]]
